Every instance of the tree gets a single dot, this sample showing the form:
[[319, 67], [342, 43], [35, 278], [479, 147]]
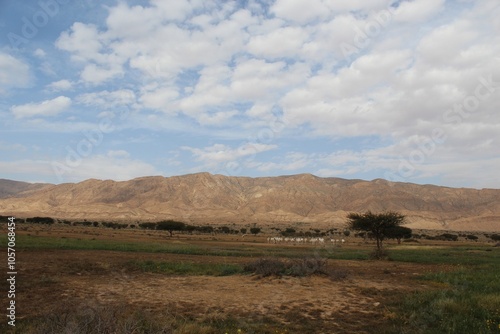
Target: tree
[[398, 233], [243, 230], [379, 224], [170, 226], [255, 230]]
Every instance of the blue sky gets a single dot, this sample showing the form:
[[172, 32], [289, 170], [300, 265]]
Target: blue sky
[[402, 90]]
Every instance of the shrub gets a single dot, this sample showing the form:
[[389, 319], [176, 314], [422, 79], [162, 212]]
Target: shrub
[[297, 268], [266, 267], [113, 225], [224, 229], [41, 220], [255, 230], [495, 237], [447, 237], [205, 229]]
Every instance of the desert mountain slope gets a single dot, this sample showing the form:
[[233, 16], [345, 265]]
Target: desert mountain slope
[[9, 188], [207, 198]]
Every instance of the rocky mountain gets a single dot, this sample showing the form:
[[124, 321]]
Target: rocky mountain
[[287, 200], [9, 188]]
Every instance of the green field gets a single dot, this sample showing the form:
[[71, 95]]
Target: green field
[[461, 297]]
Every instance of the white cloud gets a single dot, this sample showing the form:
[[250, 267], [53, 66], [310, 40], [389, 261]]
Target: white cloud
[[60, 85], [418, 10], [300, 11], [107, 99], [218, 155], [234, 68], [282, 42], [83, 41], [162, 99], [115, 165], [44, 108], [97, 74], [13, 73], [40, 53]]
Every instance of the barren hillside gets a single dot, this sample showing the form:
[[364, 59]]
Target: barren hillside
[[207, 198]]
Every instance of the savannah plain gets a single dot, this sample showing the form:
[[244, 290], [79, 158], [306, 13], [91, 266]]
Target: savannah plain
[[94, 279]]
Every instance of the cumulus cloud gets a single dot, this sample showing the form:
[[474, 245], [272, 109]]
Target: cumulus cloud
[[13, 73], [60, 85], [107, 99], [231, 69], [418, 10], [115, 164], [221, 153], [45, 108]]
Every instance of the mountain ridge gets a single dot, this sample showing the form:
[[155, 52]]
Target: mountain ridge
[[218, 199]]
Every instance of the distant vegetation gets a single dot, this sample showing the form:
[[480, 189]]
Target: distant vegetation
[[398, 233]]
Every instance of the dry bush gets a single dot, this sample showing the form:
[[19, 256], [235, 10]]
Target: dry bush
[[266, 267], [296, 267]]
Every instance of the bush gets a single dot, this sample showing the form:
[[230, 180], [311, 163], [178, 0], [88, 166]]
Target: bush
[[447, 237], [40, 220], [297, 268], [205, 229], [113, 225], [307, 267], [471, 237], [266, 267], [495, 237], [288, 232], [255, 230]]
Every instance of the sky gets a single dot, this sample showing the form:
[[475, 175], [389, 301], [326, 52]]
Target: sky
[[407, 91]]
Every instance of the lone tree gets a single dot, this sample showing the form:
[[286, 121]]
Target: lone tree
[[379, 224], [170, 226]]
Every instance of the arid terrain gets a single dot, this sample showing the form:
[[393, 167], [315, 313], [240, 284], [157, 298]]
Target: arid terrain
[[68, 273], [216, 199], [93, 257]]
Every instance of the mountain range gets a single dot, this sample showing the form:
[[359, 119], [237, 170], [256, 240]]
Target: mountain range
[[204, 198]]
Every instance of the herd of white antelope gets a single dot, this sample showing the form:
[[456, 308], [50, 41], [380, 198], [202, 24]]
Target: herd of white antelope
[[300, 240]]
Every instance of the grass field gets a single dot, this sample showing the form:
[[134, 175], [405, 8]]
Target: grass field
[[89, 280]]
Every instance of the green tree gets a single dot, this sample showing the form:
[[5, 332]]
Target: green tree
[[379, 224], [255, 230], [398, 233], [170, 226], [243, 230]]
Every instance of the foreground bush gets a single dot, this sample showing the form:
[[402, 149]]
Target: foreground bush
[[296, 267]]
